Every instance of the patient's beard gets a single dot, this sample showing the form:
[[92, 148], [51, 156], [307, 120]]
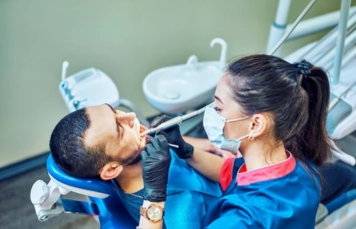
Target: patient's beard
[[131, 160], [135, 161]]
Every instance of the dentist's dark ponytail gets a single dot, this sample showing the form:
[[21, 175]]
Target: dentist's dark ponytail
[[313, 139]]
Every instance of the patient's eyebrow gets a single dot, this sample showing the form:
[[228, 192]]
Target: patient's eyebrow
[[117, 126]]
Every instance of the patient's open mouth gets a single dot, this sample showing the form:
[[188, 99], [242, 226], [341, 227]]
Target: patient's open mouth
[[142, 129], [148, 139]]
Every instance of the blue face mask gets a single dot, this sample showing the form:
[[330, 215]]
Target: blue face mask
[[214, 127]]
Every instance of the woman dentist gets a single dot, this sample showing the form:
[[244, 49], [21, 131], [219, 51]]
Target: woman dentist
[[274, 113]]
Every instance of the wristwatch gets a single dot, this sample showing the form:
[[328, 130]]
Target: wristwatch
[[153, 212]]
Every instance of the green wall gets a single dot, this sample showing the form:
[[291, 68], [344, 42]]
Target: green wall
[[125, 39]]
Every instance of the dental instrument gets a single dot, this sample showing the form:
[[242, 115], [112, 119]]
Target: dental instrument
[[173, 145], [174, 121]]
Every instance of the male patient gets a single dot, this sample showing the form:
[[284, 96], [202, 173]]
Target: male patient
[[100, 141]]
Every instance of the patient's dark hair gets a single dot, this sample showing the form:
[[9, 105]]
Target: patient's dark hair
[[297, 101], [68, 149]]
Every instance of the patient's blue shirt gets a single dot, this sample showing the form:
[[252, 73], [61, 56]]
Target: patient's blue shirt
[[132, 203], [188, 196]]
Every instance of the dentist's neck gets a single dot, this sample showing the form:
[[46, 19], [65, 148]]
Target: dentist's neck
[[130, 179], [258, 155]]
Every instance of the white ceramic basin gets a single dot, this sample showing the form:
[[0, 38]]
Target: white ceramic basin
[[179, 88]]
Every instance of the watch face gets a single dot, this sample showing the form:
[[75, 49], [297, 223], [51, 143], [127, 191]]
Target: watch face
[[154, 213]]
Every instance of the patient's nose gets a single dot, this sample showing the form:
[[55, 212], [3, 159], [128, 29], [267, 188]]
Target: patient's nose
[[128, 117]]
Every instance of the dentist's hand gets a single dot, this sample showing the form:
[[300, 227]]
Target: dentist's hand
[[156, 160], [173, 136]]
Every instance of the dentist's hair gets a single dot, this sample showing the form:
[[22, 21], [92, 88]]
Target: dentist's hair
[[68, 149], [295, 95]]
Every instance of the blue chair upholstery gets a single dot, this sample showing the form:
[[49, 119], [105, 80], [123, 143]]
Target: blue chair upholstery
[[112, 212], [340, 201]]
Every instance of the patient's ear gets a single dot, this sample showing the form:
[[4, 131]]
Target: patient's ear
[[110, 170]]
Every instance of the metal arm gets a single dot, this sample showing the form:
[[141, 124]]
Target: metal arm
[[45, 198]]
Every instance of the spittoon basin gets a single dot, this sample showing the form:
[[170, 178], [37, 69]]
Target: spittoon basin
[[176, 89]]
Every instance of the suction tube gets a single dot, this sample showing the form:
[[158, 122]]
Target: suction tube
[[174, 121]]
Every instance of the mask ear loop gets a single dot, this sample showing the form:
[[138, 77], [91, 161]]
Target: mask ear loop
[[237, 119]]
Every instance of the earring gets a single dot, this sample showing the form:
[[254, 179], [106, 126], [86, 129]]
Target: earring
[[250, 137]]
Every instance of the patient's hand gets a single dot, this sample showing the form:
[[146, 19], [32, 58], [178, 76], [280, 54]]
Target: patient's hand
[[206, 145]]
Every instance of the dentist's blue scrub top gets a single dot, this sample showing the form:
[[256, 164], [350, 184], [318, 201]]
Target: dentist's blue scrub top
[[282, 196]]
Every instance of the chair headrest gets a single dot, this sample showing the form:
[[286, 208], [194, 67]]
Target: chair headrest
[[94, 185]]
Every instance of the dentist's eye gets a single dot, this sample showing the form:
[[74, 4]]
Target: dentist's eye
[[217, 109]]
